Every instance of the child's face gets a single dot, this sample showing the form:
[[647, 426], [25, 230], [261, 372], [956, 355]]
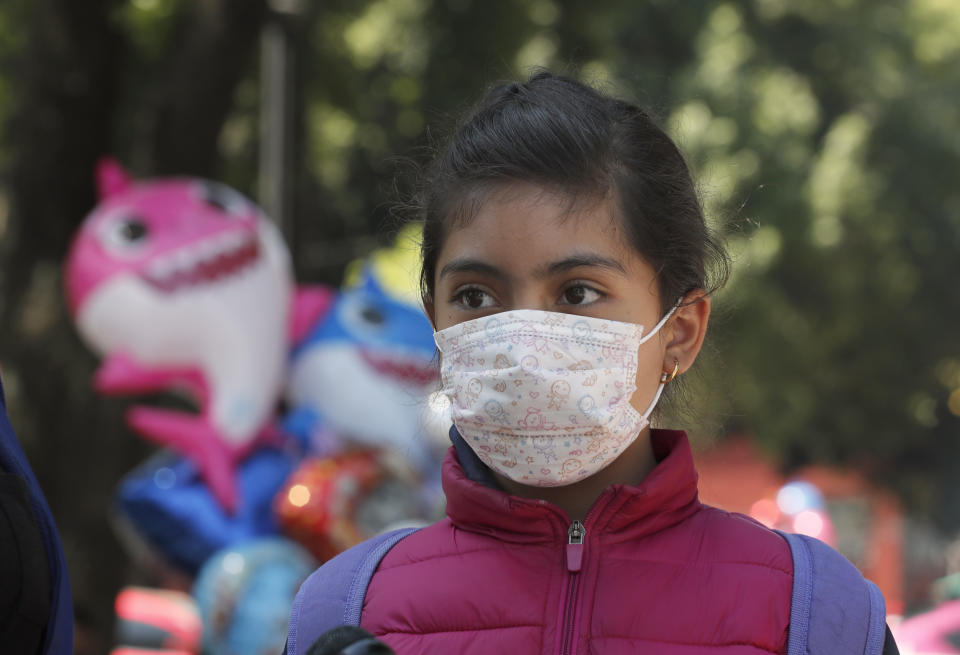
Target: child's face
[[528, 249]]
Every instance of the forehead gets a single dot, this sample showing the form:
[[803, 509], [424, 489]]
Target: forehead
[[519, 227]]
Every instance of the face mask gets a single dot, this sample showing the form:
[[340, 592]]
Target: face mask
[[543, 397]]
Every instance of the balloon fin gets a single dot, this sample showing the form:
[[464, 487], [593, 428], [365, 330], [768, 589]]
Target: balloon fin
[[196, 440], [310, 303], [112, 177], [121, 374]]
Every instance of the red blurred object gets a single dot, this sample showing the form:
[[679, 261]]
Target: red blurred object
[[157, 621], [929, 633], [815, 523], [735, 474], [316, 506]]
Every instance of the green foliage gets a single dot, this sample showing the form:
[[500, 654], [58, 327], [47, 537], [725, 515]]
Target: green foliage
[[822, 136], [149, 25], [12, 41], [837, 129]]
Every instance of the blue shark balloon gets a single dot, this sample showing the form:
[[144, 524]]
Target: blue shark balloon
[[364, 373]]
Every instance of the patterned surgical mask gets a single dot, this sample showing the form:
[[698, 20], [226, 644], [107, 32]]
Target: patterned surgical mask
[[544, 397]]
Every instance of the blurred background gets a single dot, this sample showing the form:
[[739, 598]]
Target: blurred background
[[825, 137]]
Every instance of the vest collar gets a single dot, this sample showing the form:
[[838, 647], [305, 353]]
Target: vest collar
[[666, 496]]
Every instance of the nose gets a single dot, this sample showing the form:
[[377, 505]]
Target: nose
[[529, 296]]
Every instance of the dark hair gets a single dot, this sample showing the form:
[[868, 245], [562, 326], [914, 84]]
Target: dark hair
[[564, 136]]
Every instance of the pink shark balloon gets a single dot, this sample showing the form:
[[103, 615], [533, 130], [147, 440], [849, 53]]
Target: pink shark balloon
[[183, 283]]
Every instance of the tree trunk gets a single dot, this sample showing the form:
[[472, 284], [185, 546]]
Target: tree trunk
[[218, 46], [67, 92], [68, 87]]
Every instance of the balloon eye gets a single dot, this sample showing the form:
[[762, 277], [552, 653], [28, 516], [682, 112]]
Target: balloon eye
[[373, 315], [133, 230], [362, 317], [127, 234]]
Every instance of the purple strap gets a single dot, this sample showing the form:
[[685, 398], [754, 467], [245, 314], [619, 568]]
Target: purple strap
[[333, 594], [834, 609]]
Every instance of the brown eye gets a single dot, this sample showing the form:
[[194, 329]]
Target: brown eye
[[473, 298], [579, 294], [574, 295]]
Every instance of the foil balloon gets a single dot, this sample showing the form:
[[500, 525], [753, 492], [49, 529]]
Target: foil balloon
[[332, 503], [396, 267], [167, 516], [159, 621], [368, 350], [245, 594], [182, 283]]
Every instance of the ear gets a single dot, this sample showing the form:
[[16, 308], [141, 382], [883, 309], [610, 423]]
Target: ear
[[686, 331], [112, 178]]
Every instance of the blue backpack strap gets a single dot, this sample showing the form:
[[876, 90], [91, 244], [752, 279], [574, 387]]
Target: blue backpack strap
[[333, 594], [834, 610]]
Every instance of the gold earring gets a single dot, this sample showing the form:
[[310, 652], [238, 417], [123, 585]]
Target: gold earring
[[666, 377]]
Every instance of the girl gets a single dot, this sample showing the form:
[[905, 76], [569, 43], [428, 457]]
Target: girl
[[567, 270]]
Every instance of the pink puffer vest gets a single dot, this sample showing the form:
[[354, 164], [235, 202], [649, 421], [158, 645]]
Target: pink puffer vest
[[656, 572]]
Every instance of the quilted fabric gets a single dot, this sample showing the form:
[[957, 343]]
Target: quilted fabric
[[660, 573]]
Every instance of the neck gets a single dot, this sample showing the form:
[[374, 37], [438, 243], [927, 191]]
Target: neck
[[630, 468]]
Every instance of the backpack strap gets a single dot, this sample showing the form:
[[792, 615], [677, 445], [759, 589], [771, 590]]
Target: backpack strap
[[333, 594], [833, 609]]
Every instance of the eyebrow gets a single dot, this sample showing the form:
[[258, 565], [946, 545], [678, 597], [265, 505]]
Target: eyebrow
[[579, 260], [469, 265]]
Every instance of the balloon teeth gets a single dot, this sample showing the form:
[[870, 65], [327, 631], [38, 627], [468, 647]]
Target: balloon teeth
[[409, 370], [208, 261]]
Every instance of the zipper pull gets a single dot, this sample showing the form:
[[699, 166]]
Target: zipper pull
[[575, 546]]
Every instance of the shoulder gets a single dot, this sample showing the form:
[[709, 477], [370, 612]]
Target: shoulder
[[446, 547], [833, 609], [335, 577], [440, 539], [735, 537]]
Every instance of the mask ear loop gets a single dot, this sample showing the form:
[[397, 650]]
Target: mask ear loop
[[664, 377], [656, 328]]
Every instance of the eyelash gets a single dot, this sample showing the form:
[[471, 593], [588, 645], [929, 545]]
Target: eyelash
[[459, 296], [581, 285]]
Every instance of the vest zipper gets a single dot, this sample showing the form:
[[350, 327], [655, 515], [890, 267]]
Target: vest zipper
[[575, 534]]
